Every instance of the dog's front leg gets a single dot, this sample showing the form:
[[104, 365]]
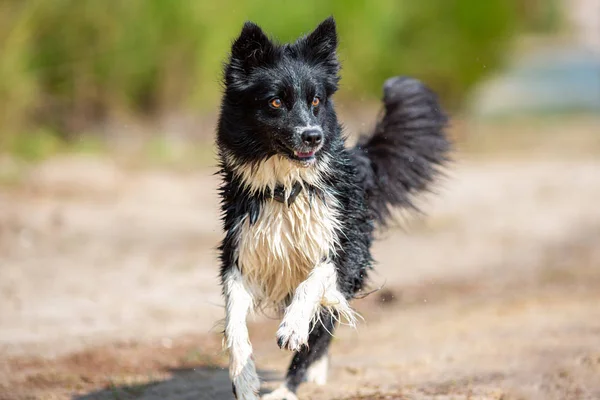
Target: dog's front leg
[[241, 364], [320, 288]]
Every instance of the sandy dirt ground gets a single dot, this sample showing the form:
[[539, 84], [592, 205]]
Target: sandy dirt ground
[[109, 289]]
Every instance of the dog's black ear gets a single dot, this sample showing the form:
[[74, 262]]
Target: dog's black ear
[[320, 46], [324, 38], [251, 49]]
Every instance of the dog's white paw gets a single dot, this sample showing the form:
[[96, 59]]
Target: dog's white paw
[[246, 383], [281, 393], [292, 336]]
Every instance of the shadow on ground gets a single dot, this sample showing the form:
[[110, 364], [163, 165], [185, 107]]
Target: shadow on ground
[[201, 383]]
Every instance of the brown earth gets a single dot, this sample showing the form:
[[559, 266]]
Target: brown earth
[[109, 290]]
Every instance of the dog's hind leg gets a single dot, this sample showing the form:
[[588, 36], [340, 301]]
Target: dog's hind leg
[[311, 362]]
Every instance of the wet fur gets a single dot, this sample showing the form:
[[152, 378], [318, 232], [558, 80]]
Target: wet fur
[[278, 250], [308, 259]]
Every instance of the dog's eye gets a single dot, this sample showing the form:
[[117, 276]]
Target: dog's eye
[[276, 103], [316, 101]]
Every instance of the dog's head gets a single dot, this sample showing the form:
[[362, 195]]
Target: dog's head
[[277, 98]]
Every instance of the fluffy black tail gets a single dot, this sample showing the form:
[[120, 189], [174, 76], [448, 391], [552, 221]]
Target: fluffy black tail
[[406, 152]]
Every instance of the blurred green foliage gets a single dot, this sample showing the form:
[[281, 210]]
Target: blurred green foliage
[[67, 64]]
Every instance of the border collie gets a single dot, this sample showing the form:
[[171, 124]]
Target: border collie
[[299, 208]]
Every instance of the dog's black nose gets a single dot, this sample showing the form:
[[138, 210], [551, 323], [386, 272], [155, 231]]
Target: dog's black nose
[[312, 137]]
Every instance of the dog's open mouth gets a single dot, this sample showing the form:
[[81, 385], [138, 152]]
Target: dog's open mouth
[[306, 158], [303, 155]]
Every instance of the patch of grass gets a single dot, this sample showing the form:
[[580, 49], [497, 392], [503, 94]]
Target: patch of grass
[[35, 146], [42, 144], [87, 144], [162, 152]]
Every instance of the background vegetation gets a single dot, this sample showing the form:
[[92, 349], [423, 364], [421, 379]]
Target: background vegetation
[[68, 65]]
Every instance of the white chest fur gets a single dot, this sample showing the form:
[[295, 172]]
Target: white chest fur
[[278, 251]]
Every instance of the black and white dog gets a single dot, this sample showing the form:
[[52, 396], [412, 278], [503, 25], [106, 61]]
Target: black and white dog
[[299, 208]]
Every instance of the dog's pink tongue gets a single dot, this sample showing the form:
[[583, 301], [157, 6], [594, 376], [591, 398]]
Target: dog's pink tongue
[[308, 154]]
